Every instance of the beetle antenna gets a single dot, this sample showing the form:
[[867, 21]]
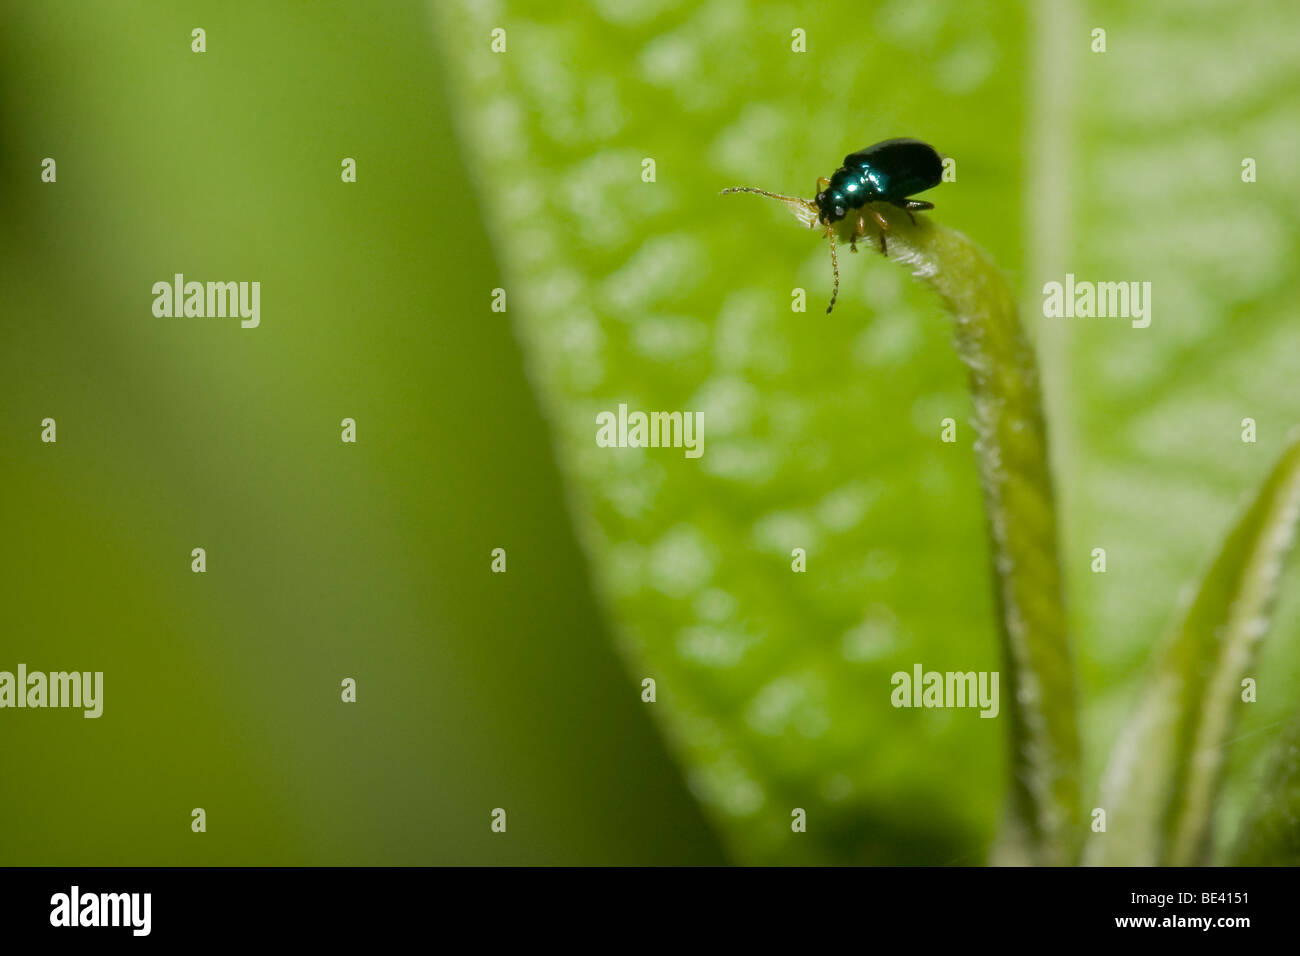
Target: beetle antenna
[[761, 192], [835, 271]]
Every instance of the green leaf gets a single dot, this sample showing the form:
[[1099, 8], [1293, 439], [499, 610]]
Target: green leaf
[[1160, 790], [1270, 834], [822, 429], [822, 432]]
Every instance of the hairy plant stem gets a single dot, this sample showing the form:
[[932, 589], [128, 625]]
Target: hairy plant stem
[[1011, 449]]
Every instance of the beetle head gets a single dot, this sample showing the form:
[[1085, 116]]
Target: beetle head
[[829, 209]]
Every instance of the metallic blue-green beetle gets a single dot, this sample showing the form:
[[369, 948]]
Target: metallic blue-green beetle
[[888, 172], [891, 171]]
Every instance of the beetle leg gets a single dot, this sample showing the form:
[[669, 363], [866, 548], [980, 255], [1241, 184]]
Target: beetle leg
[[907, 205], [884, 227], [858, 233]]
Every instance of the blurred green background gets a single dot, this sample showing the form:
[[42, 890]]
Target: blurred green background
[[522, 170]]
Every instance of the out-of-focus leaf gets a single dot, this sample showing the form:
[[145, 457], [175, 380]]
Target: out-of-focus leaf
[[1270, 833], [1165, 772], [1146, 423]]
